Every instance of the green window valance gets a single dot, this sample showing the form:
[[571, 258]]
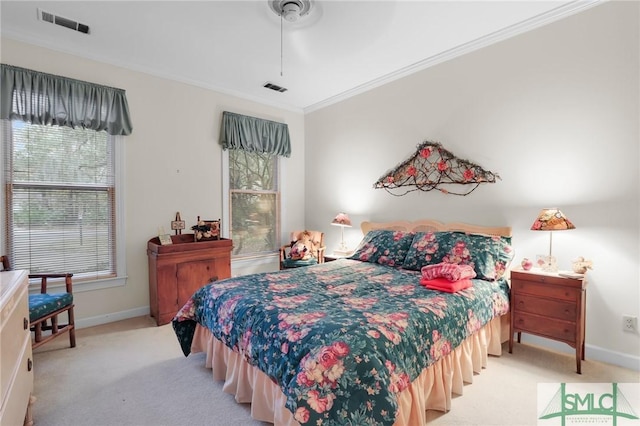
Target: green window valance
[[254, 134], [48, 99]]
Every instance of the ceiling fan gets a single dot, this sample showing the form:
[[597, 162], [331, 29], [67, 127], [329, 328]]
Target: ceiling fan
[[291, 10]]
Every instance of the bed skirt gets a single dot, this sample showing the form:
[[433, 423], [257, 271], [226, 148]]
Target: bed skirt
[[432, 390]]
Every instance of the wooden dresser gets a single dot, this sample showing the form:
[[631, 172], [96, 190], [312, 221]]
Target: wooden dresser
[[177, 270], [16, 361], [551, 306]]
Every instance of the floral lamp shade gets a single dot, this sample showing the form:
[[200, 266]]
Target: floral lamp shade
[[551, 219], [341, 219]]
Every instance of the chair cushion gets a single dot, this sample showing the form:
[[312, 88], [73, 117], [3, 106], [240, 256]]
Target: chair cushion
[[41, 305], [290, 263]]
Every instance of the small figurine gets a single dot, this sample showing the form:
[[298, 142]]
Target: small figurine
[[580, 265], [526, 264]]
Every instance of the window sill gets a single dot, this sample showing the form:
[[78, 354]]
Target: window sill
[[81, 286]]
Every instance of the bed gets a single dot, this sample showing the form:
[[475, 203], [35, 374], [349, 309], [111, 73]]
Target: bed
[[357, 340]]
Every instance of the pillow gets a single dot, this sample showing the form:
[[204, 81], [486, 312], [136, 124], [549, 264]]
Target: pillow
[[384, 246], [424, 250], [488, 255]]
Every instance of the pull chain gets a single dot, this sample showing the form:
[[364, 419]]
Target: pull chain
[[281, 44]]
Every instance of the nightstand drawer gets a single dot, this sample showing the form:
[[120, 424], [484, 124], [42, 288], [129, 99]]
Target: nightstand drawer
[[546, 307], [545, 290], [546, 327]]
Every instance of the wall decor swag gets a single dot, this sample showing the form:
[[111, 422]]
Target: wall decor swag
[[433, 167]]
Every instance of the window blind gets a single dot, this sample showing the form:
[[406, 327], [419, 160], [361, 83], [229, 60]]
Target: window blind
[[60, 209]]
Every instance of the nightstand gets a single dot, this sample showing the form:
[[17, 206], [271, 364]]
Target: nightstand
[[550, 306], [332, 257]]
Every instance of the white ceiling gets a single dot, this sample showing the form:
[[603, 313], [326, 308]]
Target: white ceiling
[[341, 48]]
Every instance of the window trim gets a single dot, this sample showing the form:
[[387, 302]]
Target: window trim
[[120, 244]]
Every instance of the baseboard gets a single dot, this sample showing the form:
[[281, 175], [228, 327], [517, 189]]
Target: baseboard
[[596, 353], [112, 317]]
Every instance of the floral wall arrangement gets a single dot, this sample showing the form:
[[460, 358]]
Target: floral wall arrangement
[[433, 167]]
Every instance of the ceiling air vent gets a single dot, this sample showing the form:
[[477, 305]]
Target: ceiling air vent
[[275, 87], [45, 16]]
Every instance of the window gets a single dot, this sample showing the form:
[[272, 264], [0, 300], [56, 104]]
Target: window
[[61, 151], [254, 202], [60, 204], [251, 168]]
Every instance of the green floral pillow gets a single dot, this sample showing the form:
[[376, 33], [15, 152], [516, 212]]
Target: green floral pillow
[[488, 255], [424, 250], [384, 247]]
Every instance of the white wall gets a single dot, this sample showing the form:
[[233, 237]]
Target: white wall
[[173, 163], [554, 111]]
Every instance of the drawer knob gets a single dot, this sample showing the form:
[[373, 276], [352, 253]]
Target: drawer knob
[[25, 323], [29, 365]]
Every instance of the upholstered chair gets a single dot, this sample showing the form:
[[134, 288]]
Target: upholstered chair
[[306, 248], [46, 306]]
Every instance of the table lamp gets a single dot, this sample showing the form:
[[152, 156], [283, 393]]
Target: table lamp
[[551, 219], [342, 220]]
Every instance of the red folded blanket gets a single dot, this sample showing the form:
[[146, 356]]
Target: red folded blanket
[[450, 271], [443, 284]]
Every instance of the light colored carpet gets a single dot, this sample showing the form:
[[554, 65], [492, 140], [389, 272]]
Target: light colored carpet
[[133, 373]]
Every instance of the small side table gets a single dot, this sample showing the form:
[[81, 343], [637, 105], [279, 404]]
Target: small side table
[[550, 306], [333, 256]]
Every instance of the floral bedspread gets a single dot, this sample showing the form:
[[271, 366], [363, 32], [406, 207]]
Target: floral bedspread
[[342, 338]]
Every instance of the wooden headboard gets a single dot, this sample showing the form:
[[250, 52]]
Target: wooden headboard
[[427, 225]]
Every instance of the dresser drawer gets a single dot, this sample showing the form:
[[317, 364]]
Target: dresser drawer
[[546, 307], [15, 332], [15, 406], [546, 327], [545, 290]]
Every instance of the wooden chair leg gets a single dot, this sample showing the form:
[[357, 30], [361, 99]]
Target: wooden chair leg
[[72, 328], [38, 332]]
